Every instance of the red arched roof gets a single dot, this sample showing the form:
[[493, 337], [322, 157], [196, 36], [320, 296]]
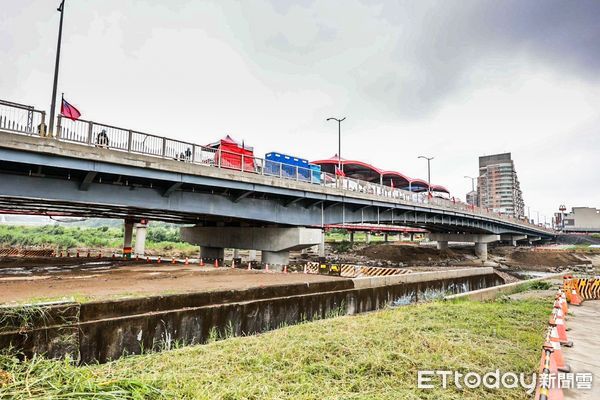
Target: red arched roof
[[395, 179], [367, 172], [352, 168], [439, 188]]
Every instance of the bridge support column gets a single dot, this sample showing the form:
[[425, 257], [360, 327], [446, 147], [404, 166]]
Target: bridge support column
[[368, 238], [127, 237], [480, 240], [321, 249], [212, 252], [275, 240], [351, 236], [512, 239], [442, 245], [141, 230], [481, 250], [276, 257], [385, 237]]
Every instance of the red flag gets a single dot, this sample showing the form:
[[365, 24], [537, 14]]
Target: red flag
[[339, 172], [69, 111]]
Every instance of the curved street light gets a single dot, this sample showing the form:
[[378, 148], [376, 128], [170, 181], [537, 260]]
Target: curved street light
[[339, 121], [428, 172]]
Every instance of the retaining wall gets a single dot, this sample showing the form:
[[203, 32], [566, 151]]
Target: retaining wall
[[101, 331]]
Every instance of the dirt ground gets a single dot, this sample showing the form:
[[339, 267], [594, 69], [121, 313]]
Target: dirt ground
[[135, 280]]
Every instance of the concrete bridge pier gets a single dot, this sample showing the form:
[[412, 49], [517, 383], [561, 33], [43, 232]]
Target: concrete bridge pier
[[442, 245], [212, 253], [141, 229], [276, 257], [127, 238], [512, 239], [481, 241], [274, 242], [321, 248]]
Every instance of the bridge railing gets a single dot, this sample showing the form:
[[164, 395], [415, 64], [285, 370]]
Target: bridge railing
[[26, 120], [20, 118]]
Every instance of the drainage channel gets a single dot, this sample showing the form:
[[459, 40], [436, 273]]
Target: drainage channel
[[101, 331]]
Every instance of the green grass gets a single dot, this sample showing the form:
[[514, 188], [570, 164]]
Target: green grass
[[161, 239], [369, 356]]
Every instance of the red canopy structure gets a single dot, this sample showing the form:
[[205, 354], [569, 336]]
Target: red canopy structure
[[230, 154], [352, 169], [367, 172]]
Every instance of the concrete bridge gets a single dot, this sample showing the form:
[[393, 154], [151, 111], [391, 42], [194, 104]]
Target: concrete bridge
[[229, 208]]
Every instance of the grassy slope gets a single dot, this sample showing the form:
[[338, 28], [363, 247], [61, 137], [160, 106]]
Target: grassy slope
[[368, 356], [162, 238]]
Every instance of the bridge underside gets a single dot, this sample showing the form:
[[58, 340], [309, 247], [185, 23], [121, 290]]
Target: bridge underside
[[47, 177], [118, 197]]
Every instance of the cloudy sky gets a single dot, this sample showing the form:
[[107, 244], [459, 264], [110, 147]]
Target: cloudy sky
[[449, 79]]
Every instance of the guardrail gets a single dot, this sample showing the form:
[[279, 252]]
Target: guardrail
[[22, 119]]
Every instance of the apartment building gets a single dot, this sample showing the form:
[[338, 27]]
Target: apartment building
[[498, 187]]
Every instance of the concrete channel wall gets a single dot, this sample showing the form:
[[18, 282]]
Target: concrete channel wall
[[106, 330]]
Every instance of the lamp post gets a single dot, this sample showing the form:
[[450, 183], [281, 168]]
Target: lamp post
[[428, 172], [339, 121], [60, 9], [472, 182]]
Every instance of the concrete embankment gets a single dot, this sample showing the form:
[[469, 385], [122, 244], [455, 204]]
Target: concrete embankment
[[105, 330], [490, 293]]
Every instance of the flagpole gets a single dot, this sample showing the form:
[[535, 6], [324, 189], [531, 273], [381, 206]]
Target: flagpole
[[61, 9]]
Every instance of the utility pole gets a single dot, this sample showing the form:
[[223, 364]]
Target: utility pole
[[339, 121], [472, 182], [428, 172], [60, 9]]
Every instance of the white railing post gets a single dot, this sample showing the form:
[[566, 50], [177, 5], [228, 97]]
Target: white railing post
[[57, 134], [194, 153], [90, 133], [219, 157], [242, 169], [129, 141], [164, 147]]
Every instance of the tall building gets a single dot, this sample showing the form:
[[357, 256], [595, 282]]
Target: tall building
[[498, 187]]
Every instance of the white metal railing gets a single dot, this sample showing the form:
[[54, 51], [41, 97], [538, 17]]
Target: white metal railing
[[22, 119]]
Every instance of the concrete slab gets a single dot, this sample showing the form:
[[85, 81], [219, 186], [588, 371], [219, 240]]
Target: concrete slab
[[584, 324]]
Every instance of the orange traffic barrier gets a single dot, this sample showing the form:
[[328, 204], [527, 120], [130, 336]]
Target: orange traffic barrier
[[216, 263], [173, 260], [232, 263], [267, 267], [187, 261], [285, 269], [561, 330], [547, 391], [575, 298], [249, 266], [158, 260], [201, 262]]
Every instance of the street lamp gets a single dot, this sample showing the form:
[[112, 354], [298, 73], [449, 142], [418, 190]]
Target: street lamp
[[428, 171], [472, 182], [60, 9], [339, 121]]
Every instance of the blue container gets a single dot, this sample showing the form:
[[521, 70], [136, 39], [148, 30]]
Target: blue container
[[315, 171], [287, 166]]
